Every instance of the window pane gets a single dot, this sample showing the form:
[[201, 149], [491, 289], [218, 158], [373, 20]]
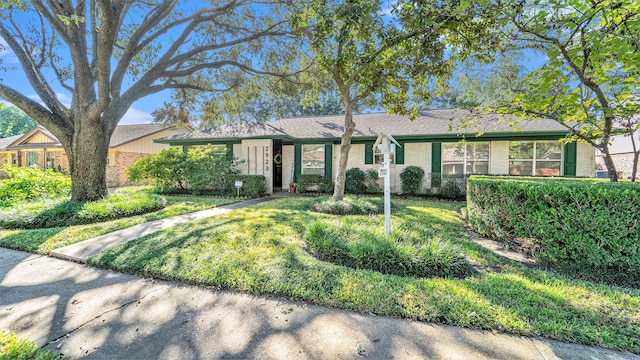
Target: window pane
[[521, 150], [32, 158], [50, 160], [477, 167], [452, 151], [548, 168], [520, 167], [313, 159], [548, 150], [478, 151], [452, 169]]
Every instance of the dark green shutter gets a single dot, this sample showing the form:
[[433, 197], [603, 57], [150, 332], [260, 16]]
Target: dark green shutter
[[400, 153], [570, 159], [185, 148], [328, 160], [436, 164], [368, 153], [297, 161], [229, 151]]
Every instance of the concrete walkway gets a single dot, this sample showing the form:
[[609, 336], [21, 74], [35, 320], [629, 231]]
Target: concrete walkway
[[89, 313], [81, 251]]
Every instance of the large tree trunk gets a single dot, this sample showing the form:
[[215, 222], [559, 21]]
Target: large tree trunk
[[608, 162], [88, 163], [345, 146]]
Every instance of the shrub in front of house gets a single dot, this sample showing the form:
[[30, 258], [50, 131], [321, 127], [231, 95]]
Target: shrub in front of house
[[585, 228], [371, 182], [355, 181], [200, 170], [252, 185], [64, 212], [399, 254], [307, 182], [451, 190], [412, 178], [27, 184]]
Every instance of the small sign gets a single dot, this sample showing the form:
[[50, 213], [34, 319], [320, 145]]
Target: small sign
[[238, 184], [382, 172]]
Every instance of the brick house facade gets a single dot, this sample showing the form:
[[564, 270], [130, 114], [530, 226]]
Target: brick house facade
[[39, 148]]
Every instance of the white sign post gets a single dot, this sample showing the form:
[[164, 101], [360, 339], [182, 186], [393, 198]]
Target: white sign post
[[385, 145], [238, 185]]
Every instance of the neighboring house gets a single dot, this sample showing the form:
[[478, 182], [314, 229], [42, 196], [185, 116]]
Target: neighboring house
[[39, 148], [283, 149], [621, 150]]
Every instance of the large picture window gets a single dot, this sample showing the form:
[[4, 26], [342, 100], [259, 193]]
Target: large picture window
[[465, 158], [32, 159], [313, 159], [539, 158]]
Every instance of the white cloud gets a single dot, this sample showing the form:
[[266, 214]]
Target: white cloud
[[135, 116]]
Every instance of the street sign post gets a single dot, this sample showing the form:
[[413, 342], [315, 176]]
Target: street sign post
[[386, 144]]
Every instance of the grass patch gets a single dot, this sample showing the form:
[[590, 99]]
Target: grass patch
[[11, 347], [64, 212], [400, 254], [261, 250], [349, 206], [44, 240]]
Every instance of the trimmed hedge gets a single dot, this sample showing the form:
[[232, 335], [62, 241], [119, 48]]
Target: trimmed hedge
[[586, 228], [252, 185], [412, 178]]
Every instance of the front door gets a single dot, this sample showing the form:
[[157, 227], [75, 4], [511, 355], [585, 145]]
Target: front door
[[277, 165]]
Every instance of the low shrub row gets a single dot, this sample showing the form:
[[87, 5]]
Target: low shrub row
[[64, 212], [314, 182], [399, 254], [26, 184], [589, 229]]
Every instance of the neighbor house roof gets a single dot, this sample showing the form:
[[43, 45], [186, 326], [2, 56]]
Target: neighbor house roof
[[122, 134], [430, 122], [5, 142]]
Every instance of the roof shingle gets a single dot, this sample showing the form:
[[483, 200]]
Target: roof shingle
[[430, 122]]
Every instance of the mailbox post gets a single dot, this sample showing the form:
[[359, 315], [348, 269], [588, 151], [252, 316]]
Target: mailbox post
[[386, 144]]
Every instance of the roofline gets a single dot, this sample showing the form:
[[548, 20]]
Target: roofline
[[144, 136], [523, 135]]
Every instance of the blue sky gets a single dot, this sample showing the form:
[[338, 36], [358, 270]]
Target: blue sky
[[139, 113]]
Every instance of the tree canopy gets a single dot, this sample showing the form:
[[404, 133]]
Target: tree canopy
[[13, 121], [108, 54], [377, 55], [589, 81]]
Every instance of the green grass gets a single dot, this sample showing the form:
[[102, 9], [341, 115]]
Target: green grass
[[44, 240], [11, 347], [62, 211], [262, 250]]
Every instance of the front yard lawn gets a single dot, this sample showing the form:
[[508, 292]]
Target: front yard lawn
[[261, 249], [42, 241]]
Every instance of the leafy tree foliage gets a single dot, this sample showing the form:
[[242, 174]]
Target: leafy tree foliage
[[589, 82], [109, 54], [377, 59], [13, 121]]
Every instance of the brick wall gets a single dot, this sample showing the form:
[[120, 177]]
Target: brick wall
[[116, 174]]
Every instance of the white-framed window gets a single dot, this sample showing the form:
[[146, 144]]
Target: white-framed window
[[14, 159], [50, 160], [465, 158], [535, 158], [218, 151], [32, 159], [313, 159]]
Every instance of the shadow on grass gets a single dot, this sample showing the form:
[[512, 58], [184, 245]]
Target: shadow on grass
[[27, 240]]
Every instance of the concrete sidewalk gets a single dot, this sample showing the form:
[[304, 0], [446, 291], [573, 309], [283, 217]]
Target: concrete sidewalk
[[81, 251], [89, 313]]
